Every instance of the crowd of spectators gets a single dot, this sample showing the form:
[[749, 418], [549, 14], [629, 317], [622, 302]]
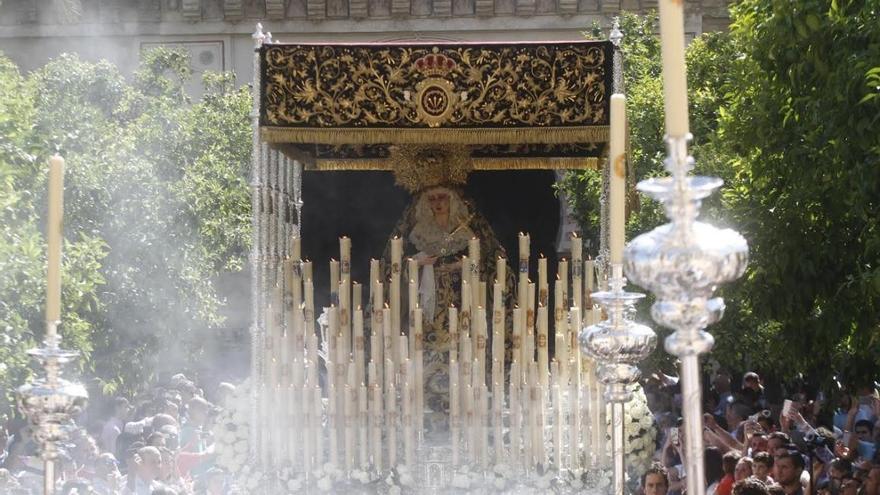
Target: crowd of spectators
[[802, 445], [160, 444]]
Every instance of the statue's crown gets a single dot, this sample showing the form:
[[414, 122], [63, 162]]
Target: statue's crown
[[435, 64]]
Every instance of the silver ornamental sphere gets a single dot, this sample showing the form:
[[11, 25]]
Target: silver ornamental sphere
[[49, 406]]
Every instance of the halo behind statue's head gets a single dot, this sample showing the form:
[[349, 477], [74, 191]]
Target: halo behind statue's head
[[419, 167]]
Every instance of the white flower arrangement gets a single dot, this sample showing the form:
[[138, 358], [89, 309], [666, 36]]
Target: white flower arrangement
[[641, 434]]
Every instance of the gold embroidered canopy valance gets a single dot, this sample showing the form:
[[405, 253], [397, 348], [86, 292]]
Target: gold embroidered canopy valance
[[513, 105]]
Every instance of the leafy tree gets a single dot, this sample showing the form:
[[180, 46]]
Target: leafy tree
[[785, 109], [801, 127], [156, 207]]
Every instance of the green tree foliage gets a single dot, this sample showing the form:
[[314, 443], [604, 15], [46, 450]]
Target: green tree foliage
[[785, 109], [801, 128], [156, 206]]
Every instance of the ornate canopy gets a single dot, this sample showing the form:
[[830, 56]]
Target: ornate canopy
[[511, 105]]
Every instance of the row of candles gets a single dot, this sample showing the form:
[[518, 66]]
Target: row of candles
[[369, 411]]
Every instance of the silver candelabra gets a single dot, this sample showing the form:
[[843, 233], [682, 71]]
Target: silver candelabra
[[618, 344], [51, 402], [682, 262]]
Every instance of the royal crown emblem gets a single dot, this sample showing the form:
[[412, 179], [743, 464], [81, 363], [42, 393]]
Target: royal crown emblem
[[435, 96]]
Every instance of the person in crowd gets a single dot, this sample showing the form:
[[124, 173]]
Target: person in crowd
[[752, 392], [840, 469], [728, 465], [722, 391], [787, 470], [107, 479], [655, 481], [143, 477], [776, 441], [750, 486], [114, 424], [762, 466], [713, 467], [744, 468]]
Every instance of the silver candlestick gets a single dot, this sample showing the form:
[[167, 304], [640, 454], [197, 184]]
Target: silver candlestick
[[618, 344], [50, 403], [682, 262]]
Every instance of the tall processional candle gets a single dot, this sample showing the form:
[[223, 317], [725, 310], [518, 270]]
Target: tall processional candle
[[589, 284], [497, 338], [514, 406], [523, 269], [543, 350], [391, 426], [349, 433], [501, 272], [454, 409], [482, 338], [317, 426], [672, 46], [498, 419], [530, 325], [55, 239], [359, 344], [296, 271], [466, 365], [412, 275], [344, 310], [560, 328], [543, 287], [396, 260], [470, 412], [453, 333], [345, 306], [304, 410], [334, 282], [377, 328], [574, 434], [519, 335], [465, 316], [377, 415], [617, 188], [374, 277], [408, 440], [474, 261], [419, 362], [577, 270], [363, 431], [562, 275], [333, 413], [356, 295], [307, 270], [388, 345], [557, 425], [483, 428]]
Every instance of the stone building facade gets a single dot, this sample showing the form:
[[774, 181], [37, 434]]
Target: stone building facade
[[218, 32]]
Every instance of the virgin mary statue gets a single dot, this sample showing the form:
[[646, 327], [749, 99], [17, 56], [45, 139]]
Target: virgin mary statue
[[436, 228]]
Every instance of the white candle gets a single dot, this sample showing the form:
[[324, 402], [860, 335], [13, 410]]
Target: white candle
[[317, 427], [334, 282], [543, 350], [483, 428], [396, 259], [474, 260], [577, 267], [349, 413], [617, 187], [470, 412], [589, 282], [501, 272], [419, 372], [408, 443], [454, 409], [561, 329], [333, 413], [356, 295], [674, 70], [54, 238], [304, 409], [482, 338], [519, 328], [363, 442], [453, 333], [514, 406], [498, 339], [307, 270], [543, 286], [374, 277], [498, 420], [359, 350], [557, 426], [523, 284], [391, 415], [377, 426], [562, 275], [388, 344], [377, 336], [530, 325]]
